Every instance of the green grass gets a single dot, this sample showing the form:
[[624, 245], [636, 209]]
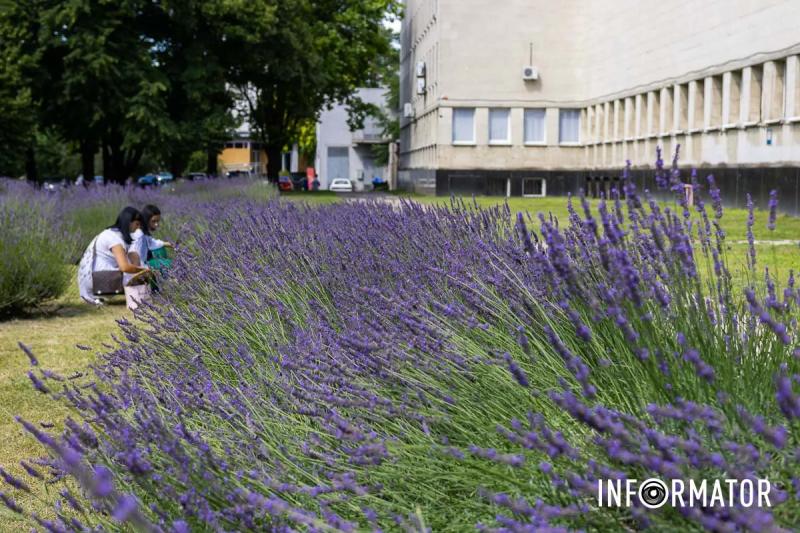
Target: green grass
[[52, 335], [311, 197]]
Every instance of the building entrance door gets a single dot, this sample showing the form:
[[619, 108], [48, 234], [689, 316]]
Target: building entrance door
[[338, 163]]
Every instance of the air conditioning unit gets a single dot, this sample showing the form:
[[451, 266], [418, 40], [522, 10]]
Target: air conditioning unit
[[420, 85], [421, 69], [530, 73], [408, 110]]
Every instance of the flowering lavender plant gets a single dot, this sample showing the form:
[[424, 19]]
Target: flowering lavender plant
[[369, 366]]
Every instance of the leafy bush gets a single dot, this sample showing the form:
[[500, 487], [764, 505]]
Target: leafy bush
[[368, 366]]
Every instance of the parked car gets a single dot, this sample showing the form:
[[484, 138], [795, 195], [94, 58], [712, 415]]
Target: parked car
[[341, 185], [197, 176], [54, 183], [99, 180], [237, 174], [147, 179], [164, 177], [285, 183]]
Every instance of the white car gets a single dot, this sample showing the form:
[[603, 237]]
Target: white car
[[341, 185]]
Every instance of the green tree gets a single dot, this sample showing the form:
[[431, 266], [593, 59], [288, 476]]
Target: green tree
[[17, 107], [191, 52], [311, 54], [122, 77]]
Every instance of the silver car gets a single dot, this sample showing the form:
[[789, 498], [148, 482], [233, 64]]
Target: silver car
[[341, 185]]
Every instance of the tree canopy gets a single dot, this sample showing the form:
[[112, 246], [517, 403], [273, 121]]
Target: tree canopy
[[162, 77]]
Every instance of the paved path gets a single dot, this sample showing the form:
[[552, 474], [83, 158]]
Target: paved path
[[774, 243]]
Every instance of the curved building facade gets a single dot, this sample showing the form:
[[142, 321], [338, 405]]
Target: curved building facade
[[528, 97]]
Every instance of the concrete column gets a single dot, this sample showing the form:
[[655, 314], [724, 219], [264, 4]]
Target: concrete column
[[481, 126], [677, 103]]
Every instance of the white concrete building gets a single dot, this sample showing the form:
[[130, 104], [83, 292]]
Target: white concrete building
[[342, 153], [611, 80]]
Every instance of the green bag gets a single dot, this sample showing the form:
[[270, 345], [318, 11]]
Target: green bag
[[160, 259]]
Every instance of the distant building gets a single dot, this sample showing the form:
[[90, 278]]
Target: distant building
[[342, 153], [242, 155], [534, 97]]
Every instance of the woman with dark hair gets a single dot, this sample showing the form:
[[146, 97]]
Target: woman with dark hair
[[106, 258], [144, 242]]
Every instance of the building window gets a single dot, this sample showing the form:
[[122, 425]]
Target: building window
[[463, 125], [653, 113], [715, 105], [534, 126], [697, 96], [629, 118], [640, 116], [682, 107], [667, 110], [534, 187], [499, 126], [732, 100], [774, 80], [569, 125], [600, 130], [754, 83]]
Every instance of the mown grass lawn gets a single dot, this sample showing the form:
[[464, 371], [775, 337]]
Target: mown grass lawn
[[52, 334]]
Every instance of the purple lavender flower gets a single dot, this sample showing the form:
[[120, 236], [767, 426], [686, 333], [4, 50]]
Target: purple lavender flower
[[11, 504], [773, 209], [13, 481], [750, 237], [125, 508], [29, 353]]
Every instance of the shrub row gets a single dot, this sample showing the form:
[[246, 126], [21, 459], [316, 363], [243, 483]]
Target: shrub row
[[443, 368]]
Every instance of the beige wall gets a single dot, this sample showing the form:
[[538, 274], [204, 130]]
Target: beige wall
[[633, 45], [646, 73]]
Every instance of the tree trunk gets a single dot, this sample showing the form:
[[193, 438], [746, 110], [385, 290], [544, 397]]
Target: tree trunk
[[106, 161], [87, 160], [211, 162], [130, 162], [179, 161], [119, 164], [31, 170], [274, 162]]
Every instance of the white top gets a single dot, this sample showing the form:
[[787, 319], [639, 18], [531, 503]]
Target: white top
[[143, 243], [105, 260]]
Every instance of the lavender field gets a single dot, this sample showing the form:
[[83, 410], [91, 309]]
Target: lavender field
[[399, 366]]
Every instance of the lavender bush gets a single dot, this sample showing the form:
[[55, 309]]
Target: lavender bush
[[44, 233], [378, 367], [33, 245]]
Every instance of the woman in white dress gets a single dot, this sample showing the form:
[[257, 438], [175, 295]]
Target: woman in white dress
[[109, 251]]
